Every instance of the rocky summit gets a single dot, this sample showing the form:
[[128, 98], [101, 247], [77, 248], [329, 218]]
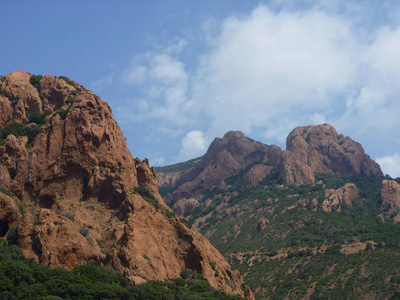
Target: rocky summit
[[309, 150], [72, 192], [317, 220]]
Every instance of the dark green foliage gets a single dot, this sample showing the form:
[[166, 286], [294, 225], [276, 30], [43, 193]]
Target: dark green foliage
[[5, 192], [186, 222], [63, 113], [12, 235], [38, 118], [67, 80], [102, 164], [68, 215], [22, 278], [84, 231], [69, 100], [20, 129], [143, 191], [35, 80], [165, 190], [312, 240], [170, 214], [13, 99]]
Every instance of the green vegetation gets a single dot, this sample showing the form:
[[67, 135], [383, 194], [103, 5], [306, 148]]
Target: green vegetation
[[63, 113], [35, 80], [22, 278], [179, 167], [20, 129], [38, 118], [143, 191], [67, 80], [302, 246], [5, 192]]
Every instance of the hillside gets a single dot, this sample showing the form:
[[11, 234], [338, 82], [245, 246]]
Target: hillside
[[335, 236], [71, 192]]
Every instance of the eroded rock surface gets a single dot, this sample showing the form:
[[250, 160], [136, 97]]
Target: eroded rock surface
[[74, 192], [335, 198], [390, 193]]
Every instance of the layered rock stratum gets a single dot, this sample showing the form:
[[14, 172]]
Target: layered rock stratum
[[73, 192]]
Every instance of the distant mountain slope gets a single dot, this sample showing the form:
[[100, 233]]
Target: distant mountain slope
[[310, 149], [315, 221], [70, 190]]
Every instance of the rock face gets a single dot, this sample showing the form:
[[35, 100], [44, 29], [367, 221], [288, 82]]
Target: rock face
[[334, 198], [390, 193], [225, 157], [323, 150], [309, 150], [74, 192]]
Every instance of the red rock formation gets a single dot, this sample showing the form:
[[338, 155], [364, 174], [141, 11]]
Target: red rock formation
[[334, 198], [78, 194], [390, 193], [325, 151], [225, 157]]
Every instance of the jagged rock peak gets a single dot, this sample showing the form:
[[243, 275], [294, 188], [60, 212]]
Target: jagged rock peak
[[74, 192], [324, 150], [225, 157]]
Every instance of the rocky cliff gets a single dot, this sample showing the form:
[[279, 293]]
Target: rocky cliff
[[309, 150], [321, 149], [225, 157], [72, 192], [390, 194]]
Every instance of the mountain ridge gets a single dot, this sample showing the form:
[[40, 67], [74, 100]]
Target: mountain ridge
[[310, 149]]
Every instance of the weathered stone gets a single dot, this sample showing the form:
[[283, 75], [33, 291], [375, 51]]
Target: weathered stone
[[79, 186]]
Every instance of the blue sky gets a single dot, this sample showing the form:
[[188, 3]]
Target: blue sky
[[179, 73]]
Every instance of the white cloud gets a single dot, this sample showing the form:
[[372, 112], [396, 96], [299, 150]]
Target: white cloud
[[162, 82], [269, 69], [194, 144], [390, 164]]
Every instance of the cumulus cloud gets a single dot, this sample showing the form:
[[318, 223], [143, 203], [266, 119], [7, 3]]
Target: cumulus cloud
[[162, 82], [275, 69], [194, 144], [390, 165], [272, 70]]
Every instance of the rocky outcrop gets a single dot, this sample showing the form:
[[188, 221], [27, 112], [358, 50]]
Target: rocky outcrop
[[292, 171], [255, 175], [344, 195], [325, 151], [310, 150], [262, 224], [225, 157], [184, 205], [74, 192], [390, 193]]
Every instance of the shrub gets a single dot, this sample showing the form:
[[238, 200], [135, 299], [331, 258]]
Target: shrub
[[35, 79], [38, 118], [20, 129], [12, 235], [63, 113], [84, 231], [5, 192], [67, 80], [68, 215]]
